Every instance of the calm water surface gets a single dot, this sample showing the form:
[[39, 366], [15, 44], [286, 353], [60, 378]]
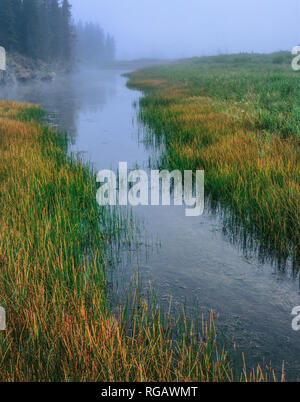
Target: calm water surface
[[189, 259]]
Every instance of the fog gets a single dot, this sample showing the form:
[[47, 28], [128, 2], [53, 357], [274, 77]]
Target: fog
[[186, 28]]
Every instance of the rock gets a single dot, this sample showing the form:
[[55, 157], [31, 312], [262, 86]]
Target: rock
[[48, 76], [23, 69]]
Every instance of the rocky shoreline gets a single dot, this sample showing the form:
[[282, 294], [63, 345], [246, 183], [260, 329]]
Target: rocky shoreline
[[24, 69]]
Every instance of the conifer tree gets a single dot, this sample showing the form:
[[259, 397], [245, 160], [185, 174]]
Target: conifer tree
[[43, 29], [8, 35]]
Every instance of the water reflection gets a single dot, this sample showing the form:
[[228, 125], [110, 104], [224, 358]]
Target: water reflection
[[188, 259], [237, 229], [64, 98]]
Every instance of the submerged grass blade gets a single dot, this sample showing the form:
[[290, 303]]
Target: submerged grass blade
[[237, 118], [53, 239]]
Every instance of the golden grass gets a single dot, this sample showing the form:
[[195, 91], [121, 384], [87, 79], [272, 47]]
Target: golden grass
[[254, 172], [58, 325]]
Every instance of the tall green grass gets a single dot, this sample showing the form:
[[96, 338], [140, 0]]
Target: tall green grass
[[264, 86], [53, 244], [237, 117]]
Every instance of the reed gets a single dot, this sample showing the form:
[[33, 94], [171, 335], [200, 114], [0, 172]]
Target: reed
[[236, 117], [53, 242]]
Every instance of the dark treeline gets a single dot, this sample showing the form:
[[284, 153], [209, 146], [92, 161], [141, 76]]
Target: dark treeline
[[41, 29], [93, 46]]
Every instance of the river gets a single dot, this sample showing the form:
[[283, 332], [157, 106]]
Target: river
[[190, 259]]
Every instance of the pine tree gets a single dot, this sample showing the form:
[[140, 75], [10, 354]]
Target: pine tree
[[43, 29], [16, 6], [8, 36], [31, 28], [92, 45], [55, 51], [110, 48], [66, 31], [45, 39]]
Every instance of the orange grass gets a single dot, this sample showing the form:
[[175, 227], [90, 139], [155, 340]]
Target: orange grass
[[53, 286], [254, 174]]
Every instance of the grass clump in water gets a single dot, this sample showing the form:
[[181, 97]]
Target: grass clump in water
[[236, 117], [53, 238]]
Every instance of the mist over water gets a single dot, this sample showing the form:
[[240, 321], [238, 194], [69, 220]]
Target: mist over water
[[196, 265], [187, 28], [235, 116]]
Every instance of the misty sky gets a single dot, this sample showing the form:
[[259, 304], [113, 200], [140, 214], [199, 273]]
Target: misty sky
[[185, 28]]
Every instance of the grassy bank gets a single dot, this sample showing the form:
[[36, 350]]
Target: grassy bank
[[238, 118], [53, 285]]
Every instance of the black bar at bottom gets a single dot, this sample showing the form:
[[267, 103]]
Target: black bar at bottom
[[131, 391]]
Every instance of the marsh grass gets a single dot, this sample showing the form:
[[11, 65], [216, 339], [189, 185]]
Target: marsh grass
[[236, 117], [53, 240]]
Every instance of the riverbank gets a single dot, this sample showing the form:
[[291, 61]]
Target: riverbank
[[53, 281], [236, 117], [22, 69]]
